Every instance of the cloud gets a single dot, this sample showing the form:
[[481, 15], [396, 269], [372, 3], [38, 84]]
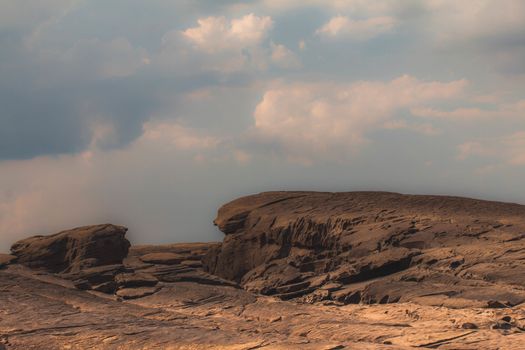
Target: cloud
[[422, 128], [55, 119], [218, 44], [361, 8], [472, 148], [284, 57], [94, 58], [486, 20], [217, 33], [498, 111], [509, 149], [313, 120], [174, 134], [342, 26], [132, 186], [491, 29], [33, 13]]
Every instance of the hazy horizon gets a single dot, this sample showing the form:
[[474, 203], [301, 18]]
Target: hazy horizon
[[152, 114]]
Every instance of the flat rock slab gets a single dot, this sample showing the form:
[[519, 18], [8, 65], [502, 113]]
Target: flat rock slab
[[135, 293], [130, 280], [163, 258], [189, 315]]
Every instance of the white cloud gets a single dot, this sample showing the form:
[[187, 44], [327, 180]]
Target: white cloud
[[342, 26], [332, 120], [217, 33], [284, 57], [218, 44], [170, 133]]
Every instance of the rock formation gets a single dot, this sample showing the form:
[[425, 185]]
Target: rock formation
[[74, 250], [374, 247], [296, 270], [6, 259]]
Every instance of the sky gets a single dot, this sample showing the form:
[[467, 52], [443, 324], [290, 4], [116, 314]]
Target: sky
[[153, 113]]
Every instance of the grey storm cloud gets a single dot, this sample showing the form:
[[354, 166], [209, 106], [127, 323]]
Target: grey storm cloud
[[42, 121]]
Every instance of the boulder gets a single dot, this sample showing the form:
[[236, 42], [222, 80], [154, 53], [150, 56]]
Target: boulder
[[74, 250]]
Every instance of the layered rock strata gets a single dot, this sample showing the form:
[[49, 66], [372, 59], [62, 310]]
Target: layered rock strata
[[373, 247]]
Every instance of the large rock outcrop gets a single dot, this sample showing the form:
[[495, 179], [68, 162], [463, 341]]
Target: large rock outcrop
[[445, 257], [374, 247], [74, 250]]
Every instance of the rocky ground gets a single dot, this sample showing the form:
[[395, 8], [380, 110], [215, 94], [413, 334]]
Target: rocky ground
[[296, 270]]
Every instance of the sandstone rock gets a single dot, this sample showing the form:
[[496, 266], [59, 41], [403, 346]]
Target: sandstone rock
[[6, 259], [469, 325], [132, 280], [381, 247], [74, 250], [96, 275], [438, 272], [502, 325], [188, 315], [135, 293], [163, 258], [107, 287]]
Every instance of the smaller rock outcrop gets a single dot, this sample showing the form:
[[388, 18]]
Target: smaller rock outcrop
[[74, 250], [6, 259]]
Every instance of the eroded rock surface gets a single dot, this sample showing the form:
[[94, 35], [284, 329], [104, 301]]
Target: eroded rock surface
[[295, 271], [6, 259], [74, 250], [41, 311], [374, 247]]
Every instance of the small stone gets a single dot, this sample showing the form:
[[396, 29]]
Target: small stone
[[494, 304], [506, 318], [469, 325], [502, 325]]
